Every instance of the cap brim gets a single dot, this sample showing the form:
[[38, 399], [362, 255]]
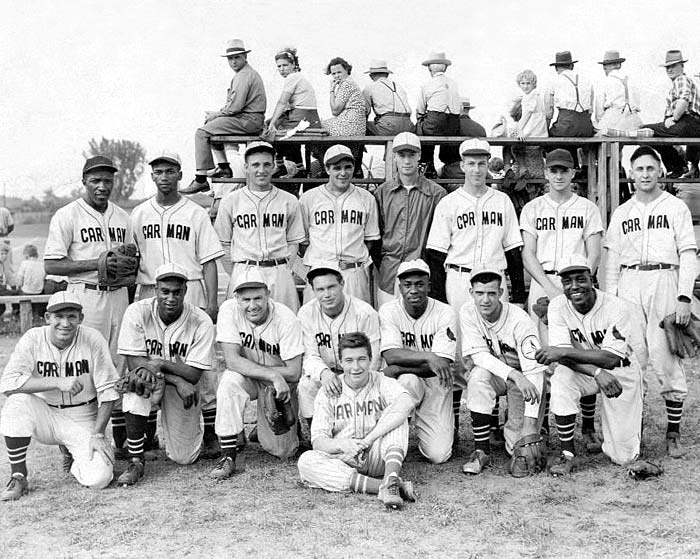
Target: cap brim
[[321, 271], [613, 61], [64, 305], [559, 163], [102, 166], [168, 159], [479, 273], [408, 147], [476, 152], [667, 64], [339, 157], [563, 63], [573, 269], [413, 271], [172, 275], [250, 285], [234, 53]]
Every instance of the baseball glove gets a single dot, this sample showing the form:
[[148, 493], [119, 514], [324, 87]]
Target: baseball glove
[[118, 267], [683, 341], [642, 469], [279, 415], [540, 308], [142, 381], [529, 457]]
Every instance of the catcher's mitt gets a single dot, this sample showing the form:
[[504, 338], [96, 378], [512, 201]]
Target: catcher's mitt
[[683, 341], [540, 308], [279, 415], [142, 381], [529, 457], [118, 267], [642, 469]]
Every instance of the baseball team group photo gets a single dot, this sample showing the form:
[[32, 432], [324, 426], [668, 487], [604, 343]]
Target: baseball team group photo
[[407, 328]]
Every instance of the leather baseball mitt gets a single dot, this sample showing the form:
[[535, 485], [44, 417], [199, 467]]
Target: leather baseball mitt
[[279, 415], [683, 341], [118, 267], [529, 456], [142, 381], [540, 308], [642, 469]]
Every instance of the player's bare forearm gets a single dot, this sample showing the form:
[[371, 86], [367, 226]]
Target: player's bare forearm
[[593, 250], [392, 416], [395, 371], [411, 360], [66, 266], [293, 253], [534, 266], [582, 368], [34, 385], [104, 411], [597, 357], [179, 369], [211, 282]]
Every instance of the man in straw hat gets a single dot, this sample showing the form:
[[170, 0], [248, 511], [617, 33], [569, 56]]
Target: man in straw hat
[[616, 104], [243, 114], [388, 101], [681, 117], [438, 109]]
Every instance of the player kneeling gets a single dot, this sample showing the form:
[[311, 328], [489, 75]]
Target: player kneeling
[[360, 437], [502, 341], [592, 336], [59, 384]]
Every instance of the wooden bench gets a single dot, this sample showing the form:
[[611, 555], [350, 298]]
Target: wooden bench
[[25, 307]]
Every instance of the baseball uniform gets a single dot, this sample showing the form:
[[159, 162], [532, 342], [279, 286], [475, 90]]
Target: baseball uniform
[[321, 336], [277, 340], [259, 227], [54, 417], [474, 232], [353, 415], [486, 343], [608, 326], [338, 228], [644, 243], [434, 331], [188, 339]]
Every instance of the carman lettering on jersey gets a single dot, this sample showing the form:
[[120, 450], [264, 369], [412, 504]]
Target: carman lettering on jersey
[[409, 339], [178, 348], [323, 339], [248, 340], [504, 347], [426, 341], [352, 216], [178, 231], [596, 337], [631, 225], [567, 222], [117, 234], [250, 221], [468, 219], [72, 369], [324, 217], [96, 235], [273, 220], [658, 222], [154, 347], [358, 409]]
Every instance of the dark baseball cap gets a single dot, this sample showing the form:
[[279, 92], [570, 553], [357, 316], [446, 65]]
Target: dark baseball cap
[[323, 270], [99, 162], [645, 150], [559, 158]]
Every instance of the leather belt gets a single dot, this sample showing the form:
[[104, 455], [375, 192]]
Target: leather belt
[[264, 263], [647, 267], [96, 287], [390, 113], [461, 269], [64, 406], [349, 265]]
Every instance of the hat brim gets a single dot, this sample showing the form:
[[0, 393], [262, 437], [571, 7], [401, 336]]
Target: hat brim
[[480, 273], [667, 64], [410, 271], [569, 269], [64, 305], [559, 163], [101, 166], [258, 149], [227, 55], [379, 71], [165, 158], [175, 275], [445, 61], [339, 157], [322, 271], [250, 285], [406, 147], [563, 63], [612, 61], [476, 152]]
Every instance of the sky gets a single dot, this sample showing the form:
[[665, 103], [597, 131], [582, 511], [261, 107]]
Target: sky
[[147, 70]]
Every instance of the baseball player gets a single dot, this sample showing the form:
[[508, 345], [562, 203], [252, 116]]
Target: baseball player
[[78, 233], [174, 339], [651, 261], [341, 223], [263, 226], [418, 344], [360, 436], [172, 228], [593, 340], [323, 321], [262, 344], [59, 383]]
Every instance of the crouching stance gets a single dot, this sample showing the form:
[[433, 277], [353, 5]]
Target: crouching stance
[[593, 335], [502, 341], [360, 437], [59, 384]]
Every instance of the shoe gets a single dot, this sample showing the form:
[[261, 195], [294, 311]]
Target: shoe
[[133, 473], [210, 447], [151, 448], [406, 490], [253, 437], [390, 493], [16, 488], [496, 438], [562, 466], [225, 467], [477, 462], [674, 448], [220, 173], [67, 459], [592, 442], [195, 187]]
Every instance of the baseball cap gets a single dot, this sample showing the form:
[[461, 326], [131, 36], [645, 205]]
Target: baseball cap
[[475, 146], [63, 300], [99, 162], [169, 156], [485, 270], [322, 270], [406, 140], [252, 279], [572, 263], [417, 266], [337, 153], [645, 150], [170, 270], [559, 158], [258, 146]]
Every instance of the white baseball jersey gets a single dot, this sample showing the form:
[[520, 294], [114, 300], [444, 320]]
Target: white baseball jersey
[[513, 331], [435, 330], [189, 338], [87, 358], [656, 232], [560, 229], [475, 232], [354, 414], [322, 334], [271, 343], [259, 227], [180, 233], [80, 232], [339, 226]]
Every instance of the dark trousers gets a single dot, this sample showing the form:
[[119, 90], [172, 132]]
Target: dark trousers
[[687, 127], [572, 124], [439, 124]]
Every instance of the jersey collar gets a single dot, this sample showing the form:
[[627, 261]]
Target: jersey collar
[[93, 212]]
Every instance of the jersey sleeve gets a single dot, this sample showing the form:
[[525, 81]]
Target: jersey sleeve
[[683, 229], [21, 363], [296, 232], [473, 340], [445, 340], [59, 238], [322, 425], [594, 223], [132, 334], [618, 336], [227, 329], [105, 374], [291, 339], [527, 219], [313, 364], [200, 352], [390, 389], [612, 235], [528, 342], [558, 329], [440, 235], [372, 228], [511, 234], [208, 244], [389, 328], [304, 212], [224, 219]]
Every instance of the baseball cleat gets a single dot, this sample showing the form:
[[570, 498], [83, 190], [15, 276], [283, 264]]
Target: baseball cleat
[[476, 463], [224, 468], [220, 173], [195, 187], [16, 488], [67, 462], [133, 473], [406, 490], [674, 448], [390, 493], [562, 466], [592, 442]]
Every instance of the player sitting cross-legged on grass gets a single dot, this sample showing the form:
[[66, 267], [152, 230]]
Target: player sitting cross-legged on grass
[[360, 436]]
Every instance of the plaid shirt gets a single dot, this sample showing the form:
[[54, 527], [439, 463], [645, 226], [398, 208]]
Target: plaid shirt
[[683, 88]]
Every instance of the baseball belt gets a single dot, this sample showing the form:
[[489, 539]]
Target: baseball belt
[[647, 267], [96, 287], [461, 269], [264, 263], [64, 406], [349, 265]]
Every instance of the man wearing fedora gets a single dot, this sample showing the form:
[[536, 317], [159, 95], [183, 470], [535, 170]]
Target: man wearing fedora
[[438, 109], [467, 126], [616, 103], [388, 101], [243, 114], [681, 117]]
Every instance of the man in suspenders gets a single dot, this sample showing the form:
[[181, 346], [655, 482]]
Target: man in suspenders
[[616, 104], [388, 101]]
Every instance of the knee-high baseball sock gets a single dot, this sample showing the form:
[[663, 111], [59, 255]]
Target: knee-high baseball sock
[[209, 417], [364, 484], [496, 415], [151, 426], [674, 412], [481, 426], [587, 404], [393, 461], [456, 405], [17, 454], [118, 428], [545, 421], [566, 424], [135, 434], [228, 444]]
